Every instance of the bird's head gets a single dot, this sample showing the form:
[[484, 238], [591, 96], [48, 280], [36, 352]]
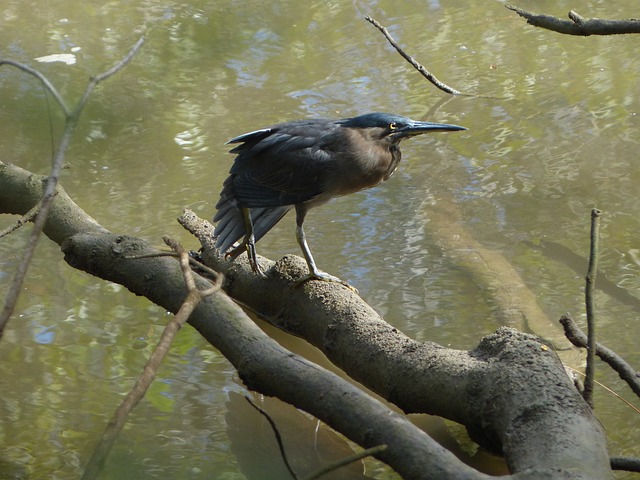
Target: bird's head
[[394, 127]]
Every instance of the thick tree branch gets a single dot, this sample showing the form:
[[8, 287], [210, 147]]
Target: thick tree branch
[[423, 377], [577, 25], [263, 364], [20, 190]]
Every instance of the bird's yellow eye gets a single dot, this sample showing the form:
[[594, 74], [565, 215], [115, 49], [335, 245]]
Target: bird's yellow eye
[[393, 126]]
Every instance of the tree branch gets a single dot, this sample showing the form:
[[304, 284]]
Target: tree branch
[[579, 339], [45, 82], [589, 302], [577, 25], [423, 71], [418, 377], [628, 464]]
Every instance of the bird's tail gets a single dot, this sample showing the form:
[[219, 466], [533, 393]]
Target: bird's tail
[[230, 227]]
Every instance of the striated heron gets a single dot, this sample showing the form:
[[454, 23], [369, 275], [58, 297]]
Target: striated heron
[[303, 164]]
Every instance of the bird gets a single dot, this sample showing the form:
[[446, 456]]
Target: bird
[[303, 164]]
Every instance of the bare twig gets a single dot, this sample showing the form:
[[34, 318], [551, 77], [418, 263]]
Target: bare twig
[[276, 432], [604, 387], [94, 81], [26, 218], [324, 470], [45, 81], [589, 301], [96, 462], [201, 267], [369, 452], [579, 339], [71, 121], [425, 73], [578, 25]]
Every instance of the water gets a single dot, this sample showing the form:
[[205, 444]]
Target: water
[[557, 136]]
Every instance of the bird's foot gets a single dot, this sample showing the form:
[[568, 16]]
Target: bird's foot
[[260, 273], [257, 269], [323, 277]]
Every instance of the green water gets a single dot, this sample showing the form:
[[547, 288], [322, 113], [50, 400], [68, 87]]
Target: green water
[[555, 134]]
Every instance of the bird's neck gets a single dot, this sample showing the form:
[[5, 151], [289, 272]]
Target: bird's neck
[[369, 163]]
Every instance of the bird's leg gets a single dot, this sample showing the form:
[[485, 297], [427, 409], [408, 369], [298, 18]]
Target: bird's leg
[[302, 241], [314, 273], [249, 242]]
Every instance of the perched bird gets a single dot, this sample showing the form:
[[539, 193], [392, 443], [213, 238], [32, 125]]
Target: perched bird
[[303, 164]]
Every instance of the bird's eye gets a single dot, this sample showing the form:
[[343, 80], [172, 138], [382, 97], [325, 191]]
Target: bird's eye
[[393, 126]]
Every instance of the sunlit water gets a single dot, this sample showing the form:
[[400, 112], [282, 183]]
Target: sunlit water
[[557, 136]]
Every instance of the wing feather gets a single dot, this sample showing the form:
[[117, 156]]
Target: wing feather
[[275, 168]]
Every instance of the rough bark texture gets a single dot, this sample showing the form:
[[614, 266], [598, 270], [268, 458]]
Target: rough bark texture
[[20, 190], [511, 391], [265, 366]]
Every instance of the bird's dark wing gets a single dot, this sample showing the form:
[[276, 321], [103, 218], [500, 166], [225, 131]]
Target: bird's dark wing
[[275, 168], [251, 137], [281, 165]]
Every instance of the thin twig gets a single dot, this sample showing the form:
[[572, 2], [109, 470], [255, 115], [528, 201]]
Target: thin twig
[[609, 390], [589, 301], [202, 268], [274, 427], [425, 73], [45, 81], [324, 470], [369, 452], [611, 358], [115, 425], [94, 81], [71, 121], [26, 218]]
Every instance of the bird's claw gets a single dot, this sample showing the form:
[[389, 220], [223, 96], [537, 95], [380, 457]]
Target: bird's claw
[[258, 270]]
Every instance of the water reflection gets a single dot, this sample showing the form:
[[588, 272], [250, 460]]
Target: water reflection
[[559, 138]]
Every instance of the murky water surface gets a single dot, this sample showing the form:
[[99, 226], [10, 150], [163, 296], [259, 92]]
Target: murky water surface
[[555, 134]]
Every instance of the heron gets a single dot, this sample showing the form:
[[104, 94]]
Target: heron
[[303, 164]]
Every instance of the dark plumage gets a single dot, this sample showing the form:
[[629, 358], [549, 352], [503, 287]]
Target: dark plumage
[[304, 164]]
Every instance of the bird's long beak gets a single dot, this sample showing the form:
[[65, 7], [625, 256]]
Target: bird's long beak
[[416, 128]]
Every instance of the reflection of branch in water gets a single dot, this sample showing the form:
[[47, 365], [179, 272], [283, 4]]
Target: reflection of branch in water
[[311, 445], [577, 263], [512, 302]]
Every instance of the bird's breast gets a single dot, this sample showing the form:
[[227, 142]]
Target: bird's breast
[[363, 168]]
